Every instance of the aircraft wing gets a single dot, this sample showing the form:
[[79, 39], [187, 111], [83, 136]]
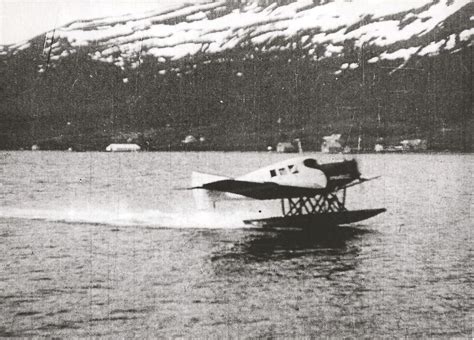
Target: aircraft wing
[[258, 190]]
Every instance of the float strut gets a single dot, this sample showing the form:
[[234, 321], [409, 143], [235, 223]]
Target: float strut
[[321, 203]]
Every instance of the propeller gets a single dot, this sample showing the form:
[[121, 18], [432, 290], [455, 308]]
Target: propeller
[[357, 163]]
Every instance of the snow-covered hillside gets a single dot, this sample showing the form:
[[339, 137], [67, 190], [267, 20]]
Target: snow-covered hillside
[[246, 74], [390, 29]]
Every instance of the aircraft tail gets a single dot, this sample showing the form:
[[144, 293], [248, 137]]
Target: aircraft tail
[[203, 198]]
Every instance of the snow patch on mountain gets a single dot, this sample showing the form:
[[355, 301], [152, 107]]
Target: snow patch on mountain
[[403, 53], [216, 27], [433, 48], [466, 35]]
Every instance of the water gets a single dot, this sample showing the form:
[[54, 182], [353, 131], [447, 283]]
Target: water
[[99, 244]]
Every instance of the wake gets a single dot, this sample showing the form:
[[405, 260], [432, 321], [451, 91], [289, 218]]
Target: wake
[[124, 217]]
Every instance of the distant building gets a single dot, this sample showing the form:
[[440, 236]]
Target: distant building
[[391, 148], [414, 144], [287, 147], [189, 139], [378, 148], [122, 148], [332, 144]]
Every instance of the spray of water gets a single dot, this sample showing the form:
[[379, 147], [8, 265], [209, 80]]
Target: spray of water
[[125, 217]]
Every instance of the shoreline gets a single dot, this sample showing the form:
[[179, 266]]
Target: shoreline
[[425, 152]]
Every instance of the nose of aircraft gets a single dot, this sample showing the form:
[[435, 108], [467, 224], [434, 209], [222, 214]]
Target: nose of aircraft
[[342, 172], [349, 168]]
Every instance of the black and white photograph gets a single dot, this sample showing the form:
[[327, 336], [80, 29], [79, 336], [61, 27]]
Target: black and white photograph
[[236, 169]]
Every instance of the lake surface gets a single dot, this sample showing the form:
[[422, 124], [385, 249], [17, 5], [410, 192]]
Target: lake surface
[[107, 244]]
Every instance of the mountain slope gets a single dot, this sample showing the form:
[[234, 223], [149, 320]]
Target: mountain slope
[[245, 74]]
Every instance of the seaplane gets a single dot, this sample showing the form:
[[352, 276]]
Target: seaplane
[[310, 193]]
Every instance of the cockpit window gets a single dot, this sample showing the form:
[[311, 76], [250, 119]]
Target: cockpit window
[[273, 173], [311, 163], [293, 169]]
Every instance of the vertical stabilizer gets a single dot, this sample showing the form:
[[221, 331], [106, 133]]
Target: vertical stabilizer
[[205, 199]]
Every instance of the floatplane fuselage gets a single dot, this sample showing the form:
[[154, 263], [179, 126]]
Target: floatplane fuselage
[[310, 192]]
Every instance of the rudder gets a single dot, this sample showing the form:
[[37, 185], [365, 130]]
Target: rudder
[[203, 198]]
